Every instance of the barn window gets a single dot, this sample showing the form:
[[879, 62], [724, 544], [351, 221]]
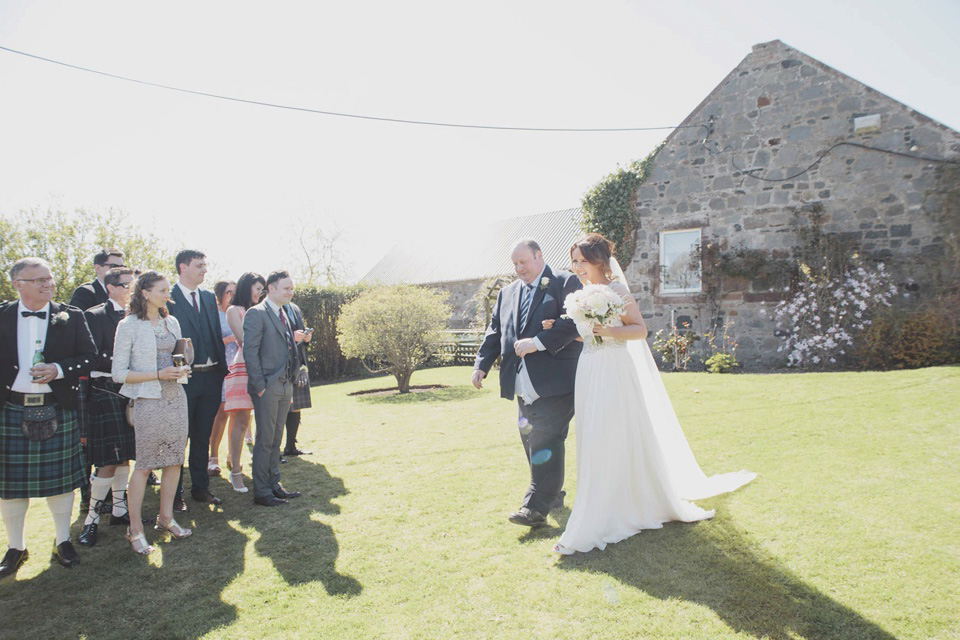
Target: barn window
[[680, 261]]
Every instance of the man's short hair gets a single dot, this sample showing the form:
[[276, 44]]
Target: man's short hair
[[113, 276], [101, 258], [276, 276], [186, 257], [26, 263], [529, 243]]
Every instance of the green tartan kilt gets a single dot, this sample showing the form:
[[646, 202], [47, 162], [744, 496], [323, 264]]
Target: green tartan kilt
[[301, 398], [110, 440], [39, 468]]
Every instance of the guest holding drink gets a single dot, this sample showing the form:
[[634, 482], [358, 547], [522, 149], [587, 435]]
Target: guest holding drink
[[223, 291], [143, 364], [238, 403]]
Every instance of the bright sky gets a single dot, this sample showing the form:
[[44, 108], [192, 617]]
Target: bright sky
[[230, 178]]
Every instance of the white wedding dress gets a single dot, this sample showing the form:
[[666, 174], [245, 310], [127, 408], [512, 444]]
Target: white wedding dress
[[635, 469]]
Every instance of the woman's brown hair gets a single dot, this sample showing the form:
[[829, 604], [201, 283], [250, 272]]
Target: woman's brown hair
[[596, 250], [138, 306]]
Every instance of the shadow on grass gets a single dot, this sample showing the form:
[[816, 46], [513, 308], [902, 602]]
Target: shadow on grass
[[302, 549], [713, 564], [448, 394]]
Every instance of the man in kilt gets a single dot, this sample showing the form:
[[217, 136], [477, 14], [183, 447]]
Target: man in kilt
[[110, 440], [301, 385], [46, 348]]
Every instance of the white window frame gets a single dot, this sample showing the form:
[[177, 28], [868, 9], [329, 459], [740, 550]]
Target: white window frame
[[666, 289]]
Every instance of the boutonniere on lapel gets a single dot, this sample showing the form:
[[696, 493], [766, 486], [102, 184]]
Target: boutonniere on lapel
[[544, 283], [60, 318]]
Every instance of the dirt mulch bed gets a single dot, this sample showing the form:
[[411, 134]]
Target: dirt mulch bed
[[390, 391]]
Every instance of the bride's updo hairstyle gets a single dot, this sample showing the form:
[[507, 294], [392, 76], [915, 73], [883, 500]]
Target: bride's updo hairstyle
[[596, 250]]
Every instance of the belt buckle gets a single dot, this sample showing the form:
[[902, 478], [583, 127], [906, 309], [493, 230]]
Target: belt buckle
[[33, 399]]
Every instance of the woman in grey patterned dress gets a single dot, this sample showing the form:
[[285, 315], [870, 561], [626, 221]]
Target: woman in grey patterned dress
[[143, 363]]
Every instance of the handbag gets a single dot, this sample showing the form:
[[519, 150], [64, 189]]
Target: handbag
[[39, 423], [128, 413]]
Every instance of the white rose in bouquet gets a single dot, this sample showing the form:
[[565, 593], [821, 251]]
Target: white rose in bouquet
[[594, 304]]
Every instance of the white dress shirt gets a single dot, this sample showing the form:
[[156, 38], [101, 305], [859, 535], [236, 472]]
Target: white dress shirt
[[524, 386], [29, 331], [188, 294]]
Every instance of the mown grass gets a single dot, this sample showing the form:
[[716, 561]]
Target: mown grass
[[849, 532]]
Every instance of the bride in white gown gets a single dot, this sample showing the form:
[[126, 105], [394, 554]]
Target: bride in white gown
[[635, 469]]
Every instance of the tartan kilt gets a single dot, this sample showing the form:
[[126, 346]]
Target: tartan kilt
[[301, 397], [39, 468], [110, 440]]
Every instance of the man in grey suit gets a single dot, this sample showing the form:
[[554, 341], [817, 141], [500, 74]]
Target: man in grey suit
[[539, 366], [270, 351]]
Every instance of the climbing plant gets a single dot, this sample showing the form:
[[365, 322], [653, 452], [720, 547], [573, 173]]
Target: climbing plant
[[610, 206]]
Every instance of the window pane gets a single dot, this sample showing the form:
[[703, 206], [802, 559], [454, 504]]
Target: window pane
[[679, 266]]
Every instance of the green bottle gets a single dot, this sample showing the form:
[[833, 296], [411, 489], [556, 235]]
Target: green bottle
[[37, 356]]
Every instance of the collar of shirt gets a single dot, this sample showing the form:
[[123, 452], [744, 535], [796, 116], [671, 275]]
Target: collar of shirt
[[116, 305], [273, 307], [187, 292], [539, 277], [22, 308]]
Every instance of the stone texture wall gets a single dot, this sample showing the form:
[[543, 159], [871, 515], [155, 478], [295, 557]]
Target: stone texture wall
[[777, 112]]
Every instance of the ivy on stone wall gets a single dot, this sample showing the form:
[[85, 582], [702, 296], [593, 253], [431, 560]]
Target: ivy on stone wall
[[610, 206]]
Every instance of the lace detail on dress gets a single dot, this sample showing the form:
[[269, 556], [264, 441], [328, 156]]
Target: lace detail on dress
[[591, 346]]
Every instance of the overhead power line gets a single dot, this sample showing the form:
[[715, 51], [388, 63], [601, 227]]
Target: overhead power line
[[340, 114]]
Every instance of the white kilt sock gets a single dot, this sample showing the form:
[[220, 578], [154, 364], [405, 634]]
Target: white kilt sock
[[61, 507], [14, 518]]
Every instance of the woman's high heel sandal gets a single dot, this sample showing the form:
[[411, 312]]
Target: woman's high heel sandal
[[139, 543], [175, 529], [236, 481]]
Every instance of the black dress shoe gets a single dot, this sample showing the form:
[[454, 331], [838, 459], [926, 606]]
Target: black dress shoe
[[179, 505], [528, 518], [153, 480], [12, 561], [65, 554], [205, 496], [269, 501], [296, 452], [88, 535], [558, 503], [283, 494], [125, 519], [283, 460]]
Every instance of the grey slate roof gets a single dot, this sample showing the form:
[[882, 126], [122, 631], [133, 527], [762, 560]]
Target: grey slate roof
[[481, 252]]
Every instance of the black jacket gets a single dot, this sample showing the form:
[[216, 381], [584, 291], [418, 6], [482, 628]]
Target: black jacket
[[102, 321], [68, 344], [89, 294]]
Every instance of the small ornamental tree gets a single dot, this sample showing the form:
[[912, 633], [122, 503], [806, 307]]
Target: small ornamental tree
[[394, 329]]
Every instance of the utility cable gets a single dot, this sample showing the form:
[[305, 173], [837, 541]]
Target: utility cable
[[343, 114]]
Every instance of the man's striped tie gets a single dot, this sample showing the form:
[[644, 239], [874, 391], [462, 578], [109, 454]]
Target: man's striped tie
[[525, 298]]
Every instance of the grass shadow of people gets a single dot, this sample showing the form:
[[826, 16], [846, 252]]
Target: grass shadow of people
[[301, 548], [714, 564], [113, 593]]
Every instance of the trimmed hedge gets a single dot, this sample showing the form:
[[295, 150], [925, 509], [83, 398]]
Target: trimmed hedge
[[321, 311]]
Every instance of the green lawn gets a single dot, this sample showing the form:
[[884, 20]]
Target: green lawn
[[851, 530]]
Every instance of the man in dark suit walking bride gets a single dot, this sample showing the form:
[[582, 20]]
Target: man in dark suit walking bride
[[539, 366]]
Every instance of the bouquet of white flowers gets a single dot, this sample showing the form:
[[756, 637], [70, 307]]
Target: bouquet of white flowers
[[595, 303]]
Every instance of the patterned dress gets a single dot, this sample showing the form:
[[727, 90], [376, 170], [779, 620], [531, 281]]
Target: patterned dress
[[161, 423], [235, 392], [230, 347]]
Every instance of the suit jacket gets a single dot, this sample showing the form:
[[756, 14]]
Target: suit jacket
[[135, 349], [68, 344], [89, 294], [191, 324], [295, 315], [266, 349], [553, 370], [103, 320]]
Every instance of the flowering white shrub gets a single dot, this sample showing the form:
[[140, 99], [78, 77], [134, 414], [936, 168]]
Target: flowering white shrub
[[819, 323]]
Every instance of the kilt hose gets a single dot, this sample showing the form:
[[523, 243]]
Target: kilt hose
[[110, 440], [39, 468]]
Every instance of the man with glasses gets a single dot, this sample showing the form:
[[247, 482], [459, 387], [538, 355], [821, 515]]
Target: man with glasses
[[90, 294], [46, 348], [111, 443]]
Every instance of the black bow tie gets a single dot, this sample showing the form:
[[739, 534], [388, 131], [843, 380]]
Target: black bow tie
[[40, 314]]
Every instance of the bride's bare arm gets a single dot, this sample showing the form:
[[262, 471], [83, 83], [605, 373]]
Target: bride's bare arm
[[634, 328]]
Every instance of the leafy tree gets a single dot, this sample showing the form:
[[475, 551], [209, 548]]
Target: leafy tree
[[394, 329], [68, 241]]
